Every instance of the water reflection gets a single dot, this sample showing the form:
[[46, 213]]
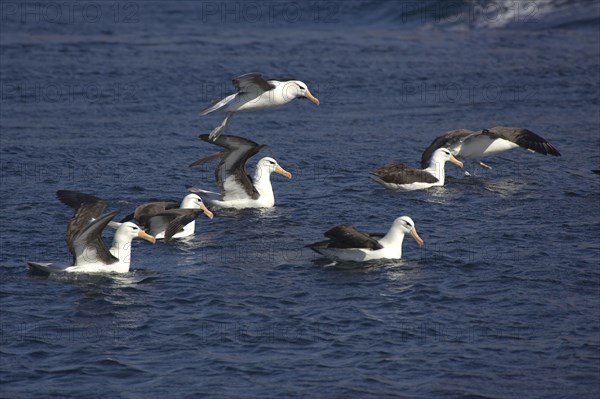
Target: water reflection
[[505, 188]]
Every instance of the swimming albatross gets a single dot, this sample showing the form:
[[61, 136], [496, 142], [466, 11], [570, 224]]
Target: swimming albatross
[[167, 219], [90, 254], [476, 145], [237, 189], [254, 93], [347, 243], [397, 176]]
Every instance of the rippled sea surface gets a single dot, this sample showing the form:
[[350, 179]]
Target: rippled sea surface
[[503, 300]]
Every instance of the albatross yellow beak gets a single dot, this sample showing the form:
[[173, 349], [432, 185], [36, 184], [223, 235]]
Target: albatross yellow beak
[[312, 98], [283, 172], [455, 161], [142, 234], [418, 239], [206, 211]]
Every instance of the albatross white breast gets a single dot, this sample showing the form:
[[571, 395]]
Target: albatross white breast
[[472, 145], [254, 93], [396, 176], [237, 189], [347, 243], [167, 219], [90, 254]]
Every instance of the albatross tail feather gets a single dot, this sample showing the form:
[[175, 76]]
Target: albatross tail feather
[[196, 190], [219, 129], [43, 267], [218, 104], [378, 179]]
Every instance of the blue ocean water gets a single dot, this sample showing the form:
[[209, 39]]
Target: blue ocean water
[[502, 302]]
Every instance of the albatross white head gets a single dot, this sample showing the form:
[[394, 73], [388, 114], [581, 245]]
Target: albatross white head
[[193, 201], [121, 247], [394, 237], [298, 89], [437, 163], [127, 231], [262, 179], [266, 166], [407, 225]]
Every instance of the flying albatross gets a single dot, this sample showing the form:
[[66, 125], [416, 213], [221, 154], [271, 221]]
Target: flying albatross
[[90, 254], [347, 243], [237, 189], [254, 93], [476, 145], [167, 219], [397, 176]]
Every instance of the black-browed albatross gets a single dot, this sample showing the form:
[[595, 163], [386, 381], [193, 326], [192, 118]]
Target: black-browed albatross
[[254, 93], [90, 254], [397, 176], [237, 189], [475, 145], [347, 243], [168, 219]]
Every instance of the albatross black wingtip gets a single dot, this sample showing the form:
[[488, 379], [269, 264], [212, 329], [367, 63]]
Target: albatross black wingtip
[[553, 151], [192, 189], [75, 199], [127, 218]]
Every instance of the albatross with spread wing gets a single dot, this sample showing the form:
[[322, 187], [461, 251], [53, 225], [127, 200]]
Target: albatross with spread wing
[[254, 93], [90, 254], [237, 189]]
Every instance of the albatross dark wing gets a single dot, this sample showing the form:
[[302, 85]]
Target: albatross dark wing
[[524, 138], [87, 245], [252, 83], [207, 159], [145, 212], [75, 200], [398, 173], [230, 174], [178, 219], [448, 139], [87, 208], [346, 236]]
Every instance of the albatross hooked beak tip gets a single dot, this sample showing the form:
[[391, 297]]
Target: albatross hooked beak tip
[[456, 162], [207, 211], [145, 236], [283, 172], [418, 239], [312, 98]]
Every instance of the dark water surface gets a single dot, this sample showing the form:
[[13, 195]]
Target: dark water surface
[[502, 302]]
